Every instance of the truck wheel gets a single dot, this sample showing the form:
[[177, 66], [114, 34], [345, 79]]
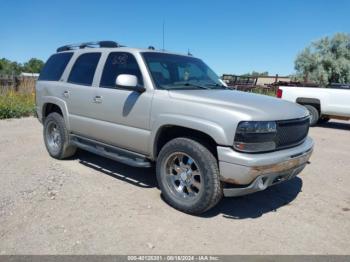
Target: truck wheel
[[314, 115], [56, 137], [323, 120], [188, 176]]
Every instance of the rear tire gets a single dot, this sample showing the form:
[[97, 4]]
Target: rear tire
[[56, 137], [188, 176], [314, 114]]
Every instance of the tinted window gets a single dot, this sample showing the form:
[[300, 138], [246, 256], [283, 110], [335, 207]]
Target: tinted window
[[55, 66], [160, 71], [119, 63], [195, 70], [84, 69]]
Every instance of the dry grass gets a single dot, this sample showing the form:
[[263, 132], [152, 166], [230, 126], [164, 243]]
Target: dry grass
[[16, 104], [17, 99], [262, 91]]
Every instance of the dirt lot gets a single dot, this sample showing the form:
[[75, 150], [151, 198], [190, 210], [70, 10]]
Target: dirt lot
[[93, 205]]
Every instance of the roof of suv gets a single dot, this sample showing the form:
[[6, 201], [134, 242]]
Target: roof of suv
[[122, 49], [108, 46]]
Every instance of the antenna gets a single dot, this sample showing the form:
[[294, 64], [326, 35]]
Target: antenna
[[188, 52], [163, 34]]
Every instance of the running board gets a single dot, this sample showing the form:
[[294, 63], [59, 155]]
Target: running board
[[115, 153]]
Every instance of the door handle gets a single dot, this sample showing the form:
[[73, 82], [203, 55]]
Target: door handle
[[66, 94], [97, 99]]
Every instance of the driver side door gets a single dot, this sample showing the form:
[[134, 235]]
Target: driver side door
[[122, 117]]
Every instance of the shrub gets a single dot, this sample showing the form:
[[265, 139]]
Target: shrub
[[325, 61], [15, 105], [262, 91]]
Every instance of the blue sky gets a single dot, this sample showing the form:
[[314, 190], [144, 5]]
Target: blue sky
[[231, 36]]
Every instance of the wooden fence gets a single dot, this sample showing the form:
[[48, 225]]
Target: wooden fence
[[23, 84]]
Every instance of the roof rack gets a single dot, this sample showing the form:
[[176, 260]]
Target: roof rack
[[110, 44]]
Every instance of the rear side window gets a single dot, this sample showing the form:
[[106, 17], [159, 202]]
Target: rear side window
[[119, 63], [84, 69], [54, 67]]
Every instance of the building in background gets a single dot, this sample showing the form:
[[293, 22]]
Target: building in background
[[268, 80], [32, 75]]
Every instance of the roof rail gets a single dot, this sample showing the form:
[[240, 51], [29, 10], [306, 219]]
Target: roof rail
[[110, 44]]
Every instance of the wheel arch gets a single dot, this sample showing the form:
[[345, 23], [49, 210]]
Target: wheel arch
[[53, 104], [168, 132], [315, 102], [48, 108]]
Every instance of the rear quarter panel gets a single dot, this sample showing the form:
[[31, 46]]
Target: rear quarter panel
[[50, 92]]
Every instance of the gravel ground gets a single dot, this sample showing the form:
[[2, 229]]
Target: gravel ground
[[91, 205]]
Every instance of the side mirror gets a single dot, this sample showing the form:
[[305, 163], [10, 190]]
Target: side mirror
[[129, 82]]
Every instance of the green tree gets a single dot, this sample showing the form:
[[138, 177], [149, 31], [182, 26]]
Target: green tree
[[325, 61], [8, 67], [34, 65]]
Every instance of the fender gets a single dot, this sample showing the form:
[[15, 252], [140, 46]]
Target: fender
[[210, 128], [60, 103]]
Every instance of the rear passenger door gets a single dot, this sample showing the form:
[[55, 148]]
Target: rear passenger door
[[122, 116], [79, 93]]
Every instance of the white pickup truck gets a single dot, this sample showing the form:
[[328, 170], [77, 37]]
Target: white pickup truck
[[322, 103]]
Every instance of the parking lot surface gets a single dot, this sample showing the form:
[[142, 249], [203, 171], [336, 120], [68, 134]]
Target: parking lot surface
[[92, 205]]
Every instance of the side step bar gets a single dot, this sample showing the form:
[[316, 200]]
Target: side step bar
[[115, 153]]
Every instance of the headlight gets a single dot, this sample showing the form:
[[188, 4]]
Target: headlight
[[255, 136]]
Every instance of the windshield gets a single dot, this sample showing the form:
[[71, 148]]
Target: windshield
[[180, 72]]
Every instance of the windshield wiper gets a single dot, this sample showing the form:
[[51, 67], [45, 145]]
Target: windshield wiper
[[176, 86], [195, 85], [217, 85]]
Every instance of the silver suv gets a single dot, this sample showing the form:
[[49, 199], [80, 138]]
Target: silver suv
[[143, 107]]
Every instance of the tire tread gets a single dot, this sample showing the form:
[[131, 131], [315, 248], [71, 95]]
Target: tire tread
[[210, 198], [66, 150]]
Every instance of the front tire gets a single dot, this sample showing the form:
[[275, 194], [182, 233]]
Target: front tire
[[314, 115], [56, 137], [188, 176]]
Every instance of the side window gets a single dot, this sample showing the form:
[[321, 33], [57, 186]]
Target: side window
[[119, 63], [55, 66], [84, 69]]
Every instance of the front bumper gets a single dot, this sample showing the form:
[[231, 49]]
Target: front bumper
[[256, 172]]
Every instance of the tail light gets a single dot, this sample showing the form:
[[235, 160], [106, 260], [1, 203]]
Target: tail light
[[279, 93]]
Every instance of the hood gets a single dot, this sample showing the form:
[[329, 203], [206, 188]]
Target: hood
[[259, 107]]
